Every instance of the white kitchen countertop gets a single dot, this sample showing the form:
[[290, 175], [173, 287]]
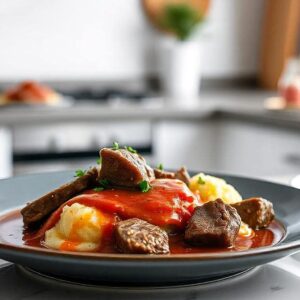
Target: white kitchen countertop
[[234, 104]]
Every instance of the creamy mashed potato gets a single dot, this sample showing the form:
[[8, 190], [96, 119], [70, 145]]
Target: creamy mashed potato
[[209, 188], [79, 229]]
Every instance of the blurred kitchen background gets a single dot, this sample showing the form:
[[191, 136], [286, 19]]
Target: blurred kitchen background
[[210, 84]]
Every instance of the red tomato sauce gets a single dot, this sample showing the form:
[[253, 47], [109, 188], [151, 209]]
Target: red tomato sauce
[[169, 204]]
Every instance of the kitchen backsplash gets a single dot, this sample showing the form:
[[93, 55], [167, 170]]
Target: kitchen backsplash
[[112, 40]]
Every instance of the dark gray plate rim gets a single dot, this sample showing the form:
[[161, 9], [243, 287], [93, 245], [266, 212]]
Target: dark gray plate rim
[[33, 274]]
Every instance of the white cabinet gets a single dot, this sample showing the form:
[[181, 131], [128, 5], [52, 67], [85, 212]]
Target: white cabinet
[[186, 143], [5, 152], [224, 145], [258, 149]]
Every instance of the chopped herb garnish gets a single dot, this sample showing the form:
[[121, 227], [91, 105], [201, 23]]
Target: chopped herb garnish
[[144, 186], [104, 183], [99, 161], [160, 167], [200, 180], [79, 173], [130, 149], [98, 189], [115, 146]]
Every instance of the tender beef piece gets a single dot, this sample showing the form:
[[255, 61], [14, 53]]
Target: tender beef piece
[[37, 210], [164, 174], [123, 168], [213, 224], [182, 174], [138, 236], [256, 212]]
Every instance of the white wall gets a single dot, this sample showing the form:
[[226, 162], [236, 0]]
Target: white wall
[[97, 39]]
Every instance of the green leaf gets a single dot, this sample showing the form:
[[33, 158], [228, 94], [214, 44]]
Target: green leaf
[[181, 19], [104, 183], [79, 173], [160, 167], [130, 149], [98, 189], [144, 186], [200, 180], [115, 146], [99, 161]]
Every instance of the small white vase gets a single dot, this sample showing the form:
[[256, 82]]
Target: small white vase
[[180, 70]]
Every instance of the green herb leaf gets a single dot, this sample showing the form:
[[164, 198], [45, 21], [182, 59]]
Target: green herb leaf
[[98, 189], [160, 167], [104, 183], [144, 186], [200, 180], [181, 19], [115, 146], [99, 161], [79, 173], [130, 149]]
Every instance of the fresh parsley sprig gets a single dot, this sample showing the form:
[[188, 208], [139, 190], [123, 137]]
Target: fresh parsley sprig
[[160, 167], [130, 149], [115, 146], [98, 189], [103, 184], [144, 186], [79, 173], [200, 180]]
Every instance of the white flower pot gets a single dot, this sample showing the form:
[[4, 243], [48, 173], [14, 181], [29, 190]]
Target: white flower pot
[[180, 70]]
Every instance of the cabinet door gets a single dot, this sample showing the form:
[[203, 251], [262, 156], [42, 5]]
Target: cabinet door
[[186, 143], [258, 149]]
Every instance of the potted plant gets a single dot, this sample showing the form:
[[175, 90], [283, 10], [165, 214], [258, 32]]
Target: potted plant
[[180, 58]]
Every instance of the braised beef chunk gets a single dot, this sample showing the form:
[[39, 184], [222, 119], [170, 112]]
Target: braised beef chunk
[[123, 168], [213, 224], [42, 207], [163, 174], [256, 212], [182, 174], [138, 236]]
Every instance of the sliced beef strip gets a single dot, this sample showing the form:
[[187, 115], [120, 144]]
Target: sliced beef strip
[[37, 210], [256, 212], [123, 168], [213, 224], [138, 236], [182, 174]]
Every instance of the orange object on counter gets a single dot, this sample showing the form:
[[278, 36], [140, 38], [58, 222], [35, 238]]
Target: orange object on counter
[[291, 92], [30, 92]]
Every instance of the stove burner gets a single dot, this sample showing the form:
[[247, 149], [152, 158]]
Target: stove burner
[[107, 94], [105, 285]]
